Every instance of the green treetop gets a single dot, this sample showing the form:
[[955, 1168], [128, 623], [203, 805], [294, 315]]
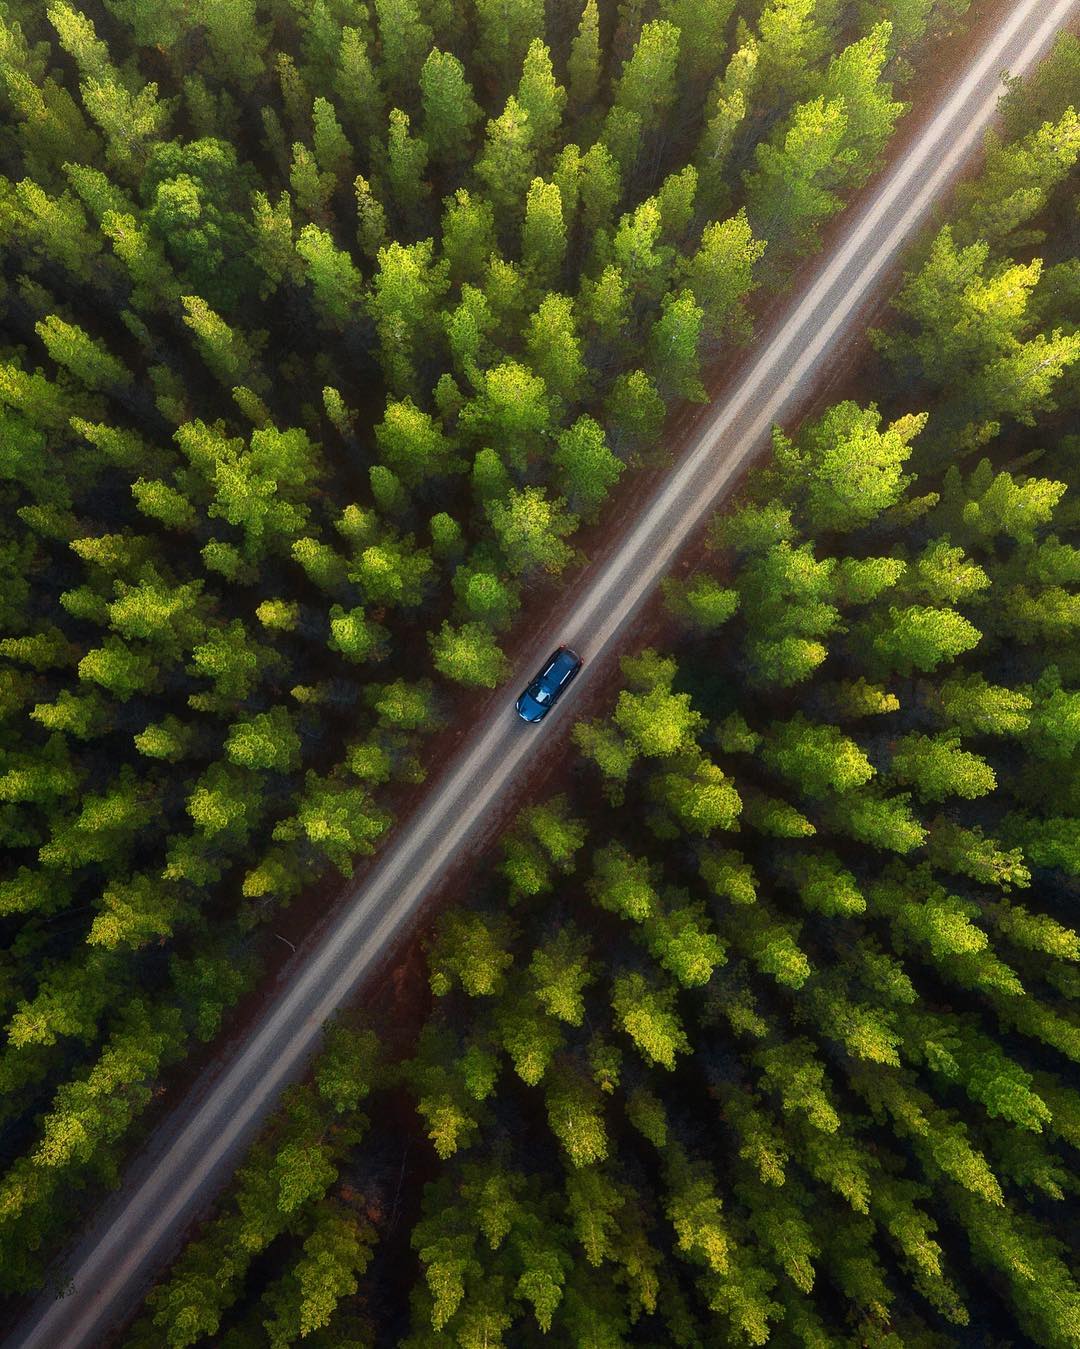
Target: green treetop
[[412, 443], [848, 468], [506, 28], [542, 97], [647, 85], [588, 468], [720, 273], [511, 411], [405, 41], [266, 740], [543, 234], [554, 348], [335, 280], [468, 654], [531, 529], [88, 359], [507, 163], [790, 193], [450, 111]]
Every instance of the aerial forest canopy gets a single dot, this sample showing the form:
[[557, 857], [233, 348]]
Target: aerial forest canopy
[[764, 1028], [327, 325]]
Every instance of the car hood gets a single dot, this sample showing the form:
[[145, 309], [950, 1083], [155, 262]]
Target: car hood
[[530, 709]]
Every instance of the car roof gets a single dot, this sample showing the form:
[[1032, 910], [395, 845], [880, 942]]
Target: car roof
[[557, 668], [565, 658]]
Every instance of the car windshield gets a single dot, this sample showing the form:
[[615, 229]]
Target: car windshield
[[540, 693]]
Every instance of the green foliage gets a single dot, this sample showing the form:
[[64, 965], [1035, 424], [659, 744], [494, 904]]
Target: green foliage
[[1017, 181], [725, 111], [484, 596], [554, 348], [118, 669], [938, 768], [507, 163], [583, 65], [646, 86], [354, 635], [699, 796], [450, 111], [335, 280], [646, 1015], [162, 502], [468, 654], [587, 465], [196, 196], [470, 951], [817, 759], [530, 529], [506, 27], [720, 275], [405, 38], [405, 165], [634, 406], [656, 720], [87, 358], [789, 195], [701, 602], [971, 317], [919, 637], [848, 470], [854, 76], [541, 97], [336, 819], [543, 233], [468, 234], [266, 740], [673, 346], [511, 410], [214, 531]]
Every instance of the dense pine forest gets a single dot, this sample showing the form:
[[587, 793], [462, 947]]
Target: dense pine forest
[[326, 327], [764, 1029]]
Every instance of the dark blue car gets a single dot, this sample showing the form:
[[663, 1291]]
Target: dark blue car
[[541, 695]]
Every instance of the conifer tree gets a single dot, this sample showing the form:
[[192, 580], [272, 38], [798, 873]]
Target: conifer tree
[[450, 111], [789, 1017]]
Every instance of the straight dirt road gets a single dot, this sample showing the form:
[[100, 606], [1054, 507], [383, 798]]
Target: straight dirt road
[[192, 1156]]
